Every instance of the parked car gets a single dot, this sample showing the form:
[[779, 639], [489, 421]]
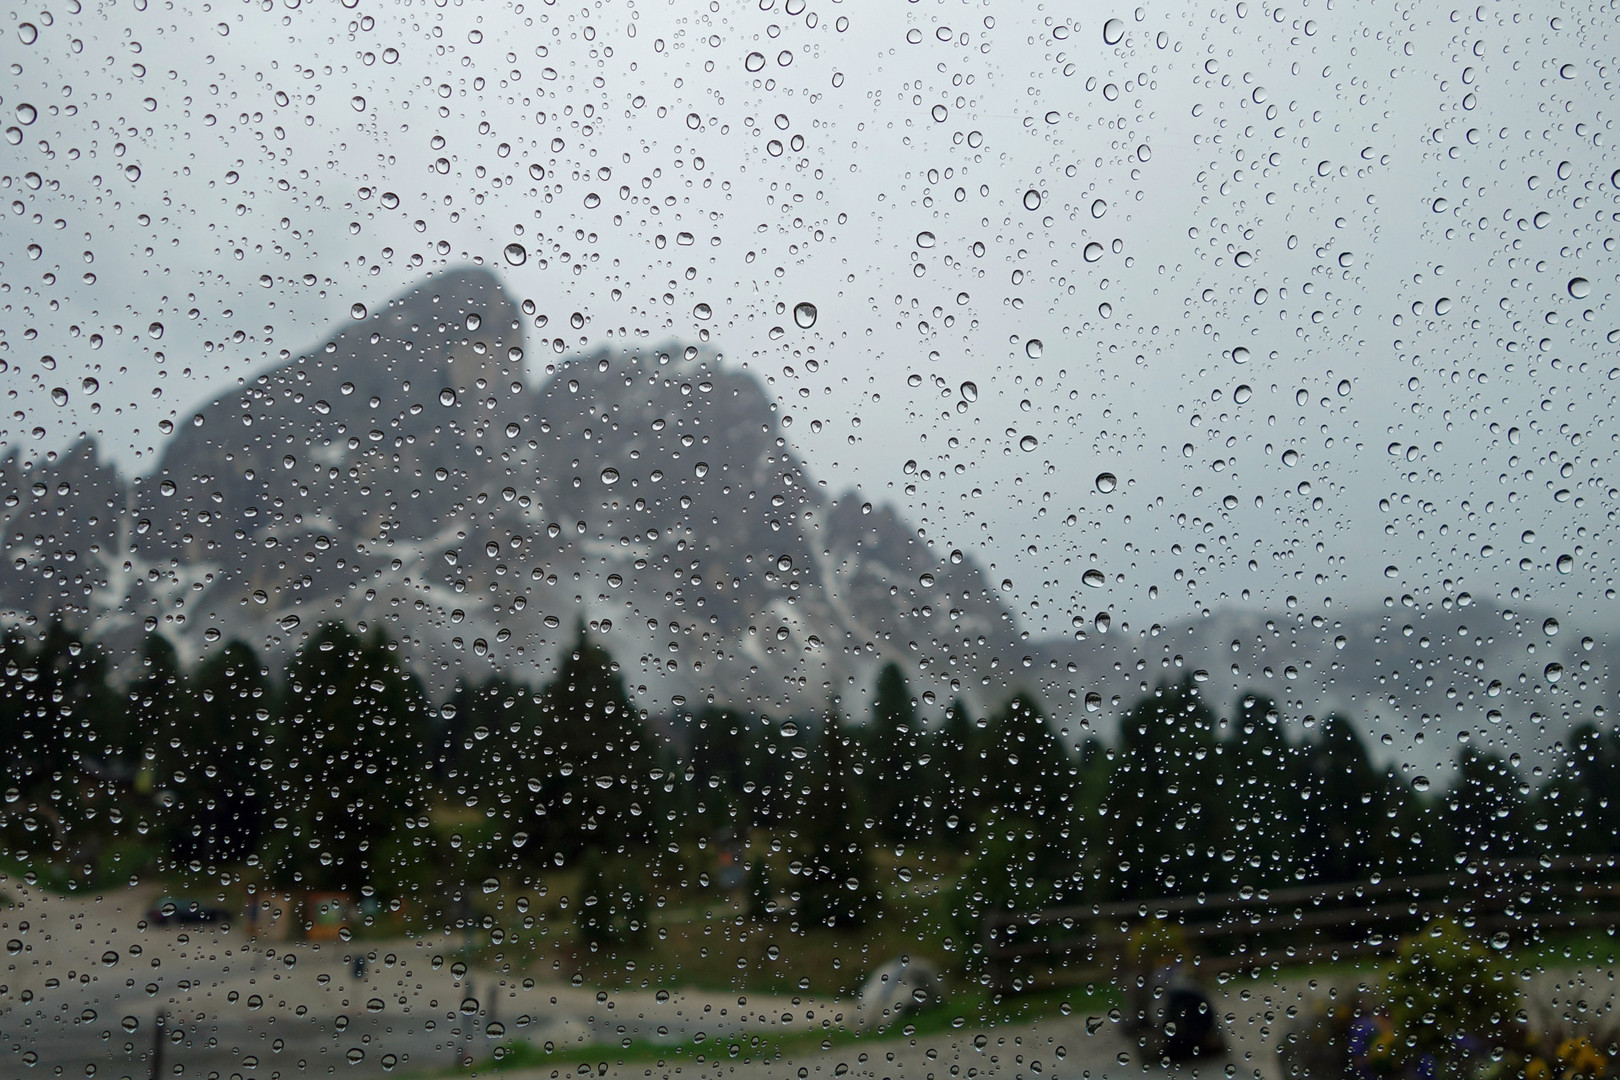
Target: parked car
[[181, 911]]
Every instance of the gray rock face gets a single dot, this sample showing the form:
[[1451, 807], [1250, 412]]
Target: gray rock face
[[899, 988], [404, 474]]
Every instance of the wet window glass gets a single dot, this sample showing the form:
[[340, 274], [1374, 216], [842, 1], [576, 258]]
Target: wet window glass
[[793, 537]]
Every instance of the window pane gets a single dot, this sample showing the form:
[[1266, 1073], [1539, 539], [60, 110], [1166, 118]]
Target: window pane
[[783, 536]]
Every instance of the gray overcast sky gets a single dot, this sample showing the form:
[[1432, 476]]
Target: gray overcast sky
[[1328, 289]]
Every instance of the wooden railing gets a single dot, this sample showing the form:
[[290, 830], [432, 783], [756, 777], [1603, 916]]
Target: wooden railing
[[1505, 902]]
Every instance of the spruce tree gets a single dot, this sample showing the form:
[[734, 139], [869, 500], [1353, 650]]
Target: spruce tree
[[835, 881]]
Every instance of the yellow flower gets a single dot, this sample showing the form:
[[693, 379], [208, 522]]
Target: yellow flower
[[1537, 1070]]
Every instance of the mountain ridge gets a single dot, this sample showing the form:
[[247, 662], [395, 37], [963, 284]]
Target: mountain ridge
[[405, 474]]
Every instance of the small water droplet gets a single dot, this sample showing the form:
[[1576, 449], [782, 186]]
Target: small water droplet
[[804, 314], [970, 392], [701, 469], [1033, 348], [358, 102], [1032, 199], [1242, 393], [1553, 672], [89, 385], [109, 959], [59, 395], [703, 311], [357, 311], [1240, 355], [516, 254]]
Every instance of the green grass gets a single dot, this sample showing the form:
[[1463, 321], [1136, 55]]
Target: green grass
[[973, 1010]]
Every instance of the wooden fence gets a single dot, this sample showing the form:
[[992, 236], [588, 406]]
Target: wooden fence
[[1505, 902]]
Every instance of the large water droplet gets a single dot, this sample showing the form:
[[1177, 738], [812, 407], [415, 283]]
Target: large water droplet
[[1580, 288], [1033, 348], [1107, 482], [610, 476], [516, 254], [357, 311], [1093, 578], [925, 239], [1113, 32], [970, 392], [804, 314], [1032, 199], [1028, 443], [1093, 252], [1421, 783], [754, 61], [59, 395]]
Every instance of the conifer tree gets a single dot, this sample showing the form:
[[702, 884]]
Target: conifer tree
[[835, 883]]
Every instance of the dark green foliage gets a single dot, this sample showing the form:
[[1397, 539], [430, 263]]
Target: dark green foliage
[[595, 757], [957, 768], [1028, 772], [211, 760], [1167, 825], [1488, 807], [611, 909], [835, 884], [1342, 820], [1263, 795], [1021, 866], [892, 743], [1578, 802], [350, 760]]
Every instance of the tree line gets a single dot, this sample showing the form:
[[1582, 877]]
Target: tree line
[[343, 774]]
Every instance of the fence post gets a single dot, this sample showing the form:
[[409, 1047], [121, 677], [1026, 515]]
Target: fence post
[[160, 1029]]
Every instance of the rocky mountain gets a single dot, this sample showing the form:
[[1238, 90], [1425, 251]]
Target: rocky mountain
[[405, 474]]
